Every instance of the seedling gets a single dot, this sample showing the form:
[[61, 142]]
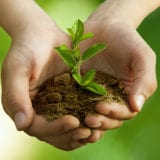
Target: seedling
[[73, 58]]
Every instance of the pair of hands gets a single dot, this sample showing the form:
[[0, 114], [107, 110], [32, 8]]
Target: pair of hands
[[32, 60]]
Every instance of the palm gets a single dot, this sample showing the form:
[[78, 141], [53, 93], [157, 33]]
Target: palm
[[125, 56], [30, 61], [45, 62], [117, 58]]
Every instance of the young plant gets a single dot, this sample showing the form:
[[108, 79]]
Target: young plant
[[73, 58]]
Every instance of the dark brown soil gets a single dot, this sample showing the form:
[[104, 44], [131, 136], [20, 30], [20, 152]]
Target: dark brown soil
[[61, 95]]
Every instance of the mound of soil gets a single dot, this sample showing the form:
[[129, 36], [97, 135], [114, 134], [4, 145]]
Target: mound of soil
[[61, 95]]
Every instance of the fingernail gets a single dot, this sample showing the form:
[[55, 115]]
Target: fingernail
[[96, 125], [79, 137], [19, 119], [140, 101]]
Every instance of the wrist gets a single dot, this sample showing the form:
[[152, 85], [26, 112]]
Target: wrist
[[125, 11], [17, 18]]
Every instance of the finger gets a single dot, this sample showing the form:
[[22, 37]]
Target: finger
[[79, 135], [41, 127], [115, 110], [70, 140], [15, 94], [95, 136], [145, 81], [102, 122]]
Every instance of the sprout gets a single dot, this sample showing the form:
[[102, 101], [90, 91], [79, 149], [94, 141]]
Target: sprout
[[73, 58]]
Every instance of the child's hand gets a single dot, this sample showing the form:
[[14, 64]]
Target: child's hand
[[129, 58], [32, 59]]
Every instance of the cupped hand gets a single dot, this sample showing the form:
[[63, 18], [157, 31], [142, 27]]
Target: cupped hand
[[30, 61], [129, 58]]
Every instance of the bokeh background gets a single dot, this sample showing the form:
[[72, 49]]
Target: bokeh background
[[137, 139]]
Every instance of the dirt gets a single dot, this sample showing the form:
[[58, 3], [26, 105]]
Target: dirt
[[61, 95]]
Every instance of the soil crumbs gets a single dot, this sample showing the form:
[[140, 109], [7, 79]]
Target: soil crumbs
[[61, 95]]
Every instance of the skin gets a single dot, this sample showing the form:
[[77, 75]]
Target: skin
[[32, 59], [136, 60]]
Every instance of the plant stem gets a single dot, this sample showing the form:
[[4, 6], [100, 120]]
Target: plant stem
[[75, 47], [79, 69]]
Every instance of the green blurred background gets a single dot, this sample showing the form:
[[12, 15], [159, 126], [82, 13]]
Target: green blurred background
[[137, 139]]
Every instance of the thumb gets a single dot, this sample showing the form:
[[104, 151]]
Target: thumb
[[145, 82], [15, 94]]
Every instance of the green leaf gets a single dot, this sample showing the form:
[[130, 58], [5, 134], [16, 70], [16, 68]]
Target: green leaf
[[77, 78], [70, 31], [96, 88], [77, 29], [65, 47], [66, 55], [77, 54], [92, 51], [88, 77], [86, 36]]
